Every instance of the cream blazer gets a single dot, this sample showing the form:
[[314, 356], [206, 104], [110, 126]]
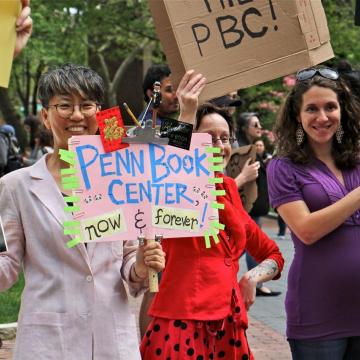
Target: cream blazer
[[74, 305]]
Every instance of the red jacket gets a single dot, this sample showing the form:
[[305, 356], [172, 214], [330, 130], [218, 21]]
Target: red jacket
[[197, 282]]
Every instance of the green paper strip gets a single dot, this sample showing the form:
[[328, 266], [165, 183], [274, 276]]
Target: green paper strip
[[72, 231], [67, 156], [215, 224], [72, 199], [207, 240], [214, 181], [217, 192], [71, 223], [214, 235], [69, 179], [71, 208], [216, 168], [73, 242], [216, 159], [213, 150], [68, 171], [71, 186], [216, 205]]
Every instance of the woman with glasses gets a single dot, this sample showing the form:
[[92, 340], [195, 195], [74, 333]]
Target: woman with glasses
[[74, 304], [314, 185], [249, 129], [200, 311]]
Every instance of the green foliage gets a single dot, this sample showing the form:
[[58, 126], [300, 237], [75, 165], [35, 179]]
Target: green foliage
[[10, 302]]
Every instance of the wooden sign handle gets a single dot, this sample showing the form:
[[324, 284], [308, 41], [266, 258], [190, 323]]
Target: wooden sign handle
[[153, 276]]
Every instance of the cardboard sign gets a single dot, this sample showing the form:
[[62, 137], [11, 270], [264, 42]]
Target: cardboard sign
[[142, 190], [239, 156], [240, 43], [9, 11]]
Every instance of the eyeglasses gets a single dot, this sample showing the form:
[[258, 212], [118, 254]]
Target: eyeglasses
[[65, 110], [307, 74], [225, 140]]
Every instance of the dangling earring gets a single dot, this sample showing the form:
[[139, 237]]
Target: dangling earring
[[299, 135], [339, 134]]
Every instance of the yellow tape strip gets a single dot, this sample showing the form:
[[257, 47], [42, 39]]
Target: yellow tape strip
[[70, 186], [215, 224], [216, 159], [213, 150], [67, 156], [214, 181], [217, 192], [72, 199], [73, 242], [68, 171], [71, 223], [216, 168], [72, 231], [216, 205], [207, 240], [214, 235], [71, 208]]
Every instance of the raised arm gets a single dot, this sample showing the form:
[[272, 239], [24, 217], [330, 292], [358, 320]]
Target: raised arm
[[188, 92]]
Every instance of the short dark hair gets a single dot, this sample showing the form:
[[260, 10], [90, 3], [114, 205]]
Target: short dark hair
[[209, 108], [68, 79], [346, 154], [154, 73]]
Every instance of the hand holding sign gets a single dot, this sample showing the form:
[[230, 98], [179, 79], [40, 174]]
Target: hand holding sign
[[23, 27], [150, 259]]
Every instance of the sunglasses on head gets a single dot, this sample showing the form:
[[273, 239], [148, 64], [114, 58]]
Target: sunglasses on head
[[307, 74]]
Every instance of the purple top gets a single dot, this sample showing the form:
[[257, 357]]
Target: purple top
[[323, 296]]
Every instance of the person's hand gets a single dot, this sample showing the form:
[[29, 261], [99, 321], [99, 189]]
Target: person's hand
[[188, 92], [248, 173], [248, 290], [150, 255], [24, 25]]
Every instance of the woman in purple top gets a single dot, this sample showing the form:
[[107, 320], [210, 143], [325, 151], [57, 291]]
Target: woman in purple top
[[314, 185]]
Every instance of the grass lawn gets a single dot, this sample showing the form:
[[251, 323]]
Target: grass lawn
[[10, 302]]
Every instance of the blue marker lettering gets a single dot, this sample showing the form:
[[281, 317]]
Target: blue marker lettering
[[188, 164], [129, 192], [155, 163], [103, 164], [111, 192], [178, 160], [138, 162], [83, 165], [198, 165]]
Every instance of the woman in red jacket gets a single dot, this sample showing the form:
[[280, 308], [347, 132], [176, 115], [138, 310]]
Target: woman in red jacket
[[200, 311]]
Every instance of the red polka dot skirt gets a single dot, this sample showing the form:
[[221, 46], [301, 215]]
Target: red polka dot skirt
[[178, 339]]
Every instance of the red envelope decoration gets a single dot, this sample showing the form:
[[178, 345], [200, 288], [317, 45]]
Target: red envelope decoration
[[111, 128]]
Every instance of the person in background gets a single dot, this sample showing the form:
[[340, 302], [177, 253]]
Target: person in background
[[169, 106], [74, 304], [43, 142], [200, 311], [314, 183], [10, 155], [249, 129]]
